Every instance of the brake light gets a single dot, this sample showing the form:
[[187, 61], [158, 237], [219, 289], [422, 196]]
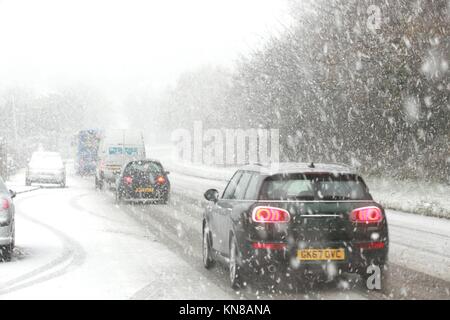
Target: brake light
[[366, 215], [5, 204], [270, 246], [128, 180], [371, 245], [161, 180], [270, 215]]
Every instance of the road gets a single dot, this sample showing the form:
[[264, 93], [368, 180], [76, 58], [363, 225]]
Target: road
[[76, 243]]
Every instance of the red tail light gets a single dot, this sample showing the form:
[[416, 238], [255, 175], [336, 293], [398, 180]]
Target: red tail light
[[271, 246], [161, 180], [270, 215], [371, 245], [366, 215], [5, 204], [128, 180]]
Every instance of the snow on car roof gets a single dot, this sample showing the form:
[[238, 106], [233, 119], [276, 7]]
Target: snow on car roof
[[300, 167]]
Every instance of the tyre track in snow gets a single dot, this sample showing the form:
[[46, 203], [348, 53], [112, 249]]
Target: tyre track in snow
[[76, 203], [164, 227], [71, 256], [163, 231], [404, 239]]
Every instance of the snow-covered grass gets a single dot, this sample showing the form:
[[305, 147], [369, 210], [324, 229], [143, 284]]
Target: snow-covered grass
[[410, 196], [431, 199]]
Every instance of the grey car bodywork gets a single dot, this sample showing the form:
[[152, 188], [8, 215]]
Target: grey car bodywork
[[7, 225]]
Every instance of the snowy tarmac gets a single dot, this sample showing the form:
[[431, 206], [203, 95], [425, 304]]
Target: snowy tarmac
[[76, 243]]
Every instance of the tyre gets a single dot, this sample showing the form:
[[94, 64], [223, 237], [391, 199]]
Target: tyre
[[165, 199], [234, 267], [98, 183], [118, 197], [6, 252], [208, 260], [13, 243]]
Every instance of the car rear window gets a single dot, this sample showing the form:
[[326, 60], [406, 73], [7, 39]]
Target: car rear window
[[314, 187], [46, 160], [138, 168]]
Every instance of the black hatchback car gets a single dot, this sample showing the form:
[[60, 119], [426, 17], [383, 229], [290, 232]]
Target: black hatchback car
[[299, 219], [143, 181]]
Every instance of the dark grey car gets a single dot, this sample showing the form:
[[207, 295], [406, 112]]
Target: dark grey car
[[7, 227], [297, 219]]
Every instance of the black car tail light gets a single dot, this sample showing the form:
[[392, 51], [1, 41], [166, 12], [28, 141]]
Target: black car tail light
[[160, 180], [371, 245], [366, 215], [270, 215], [128, 180], [269, 246]]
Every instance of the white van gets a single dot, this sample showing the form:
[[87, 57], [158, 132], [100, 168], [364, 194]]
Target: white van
[[116, 148]]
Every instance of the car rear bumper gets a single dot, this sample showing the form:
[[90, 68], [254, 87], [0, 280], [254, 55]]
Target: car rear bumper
[[46, 178], [280, 259], [139, 197]]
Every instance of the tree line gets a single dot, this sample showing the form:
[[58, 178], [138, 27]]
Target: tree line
[[358, 82]]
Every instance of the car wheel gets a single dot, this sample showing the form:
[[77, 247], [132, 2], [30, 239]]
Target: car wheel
[[118, 197], [235, 270], [13, 243], [208, 260], [98, 183], [6, 252]]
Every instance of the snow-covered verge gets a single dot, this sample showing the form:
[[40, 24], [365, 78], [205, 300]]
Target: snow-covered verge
[[406, 195], [431, 199]]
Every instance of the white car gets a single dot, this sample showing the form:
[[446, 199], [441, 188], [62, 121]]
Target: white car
[[7, 229], [46, 167]]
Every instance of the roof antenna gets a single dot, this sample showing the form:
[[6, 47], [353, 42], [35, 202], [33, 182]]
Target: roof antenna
[[311, 165]]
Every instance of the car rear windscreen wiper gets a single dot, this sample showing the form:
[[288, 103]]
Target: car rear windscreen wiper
[[335, 198]]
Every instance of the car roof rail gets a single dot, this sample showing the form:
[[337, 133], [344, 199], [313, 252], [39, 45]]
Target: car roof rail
[[254, 164]]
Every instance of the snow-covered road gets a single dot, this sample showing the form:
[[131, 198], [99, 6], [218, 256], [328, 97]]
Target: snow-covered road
[[76, 243]]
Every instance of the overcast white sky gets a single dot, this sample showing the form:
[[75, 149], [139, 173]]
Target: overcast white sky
[[126, 42]]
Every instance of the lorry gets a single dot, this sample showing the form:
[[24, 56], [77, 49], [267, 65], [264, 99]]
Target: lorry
[[87, 143]]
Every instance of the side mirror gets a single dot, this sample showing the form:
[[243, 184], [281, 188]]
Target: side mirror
[[13, 194], [212, 195]]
